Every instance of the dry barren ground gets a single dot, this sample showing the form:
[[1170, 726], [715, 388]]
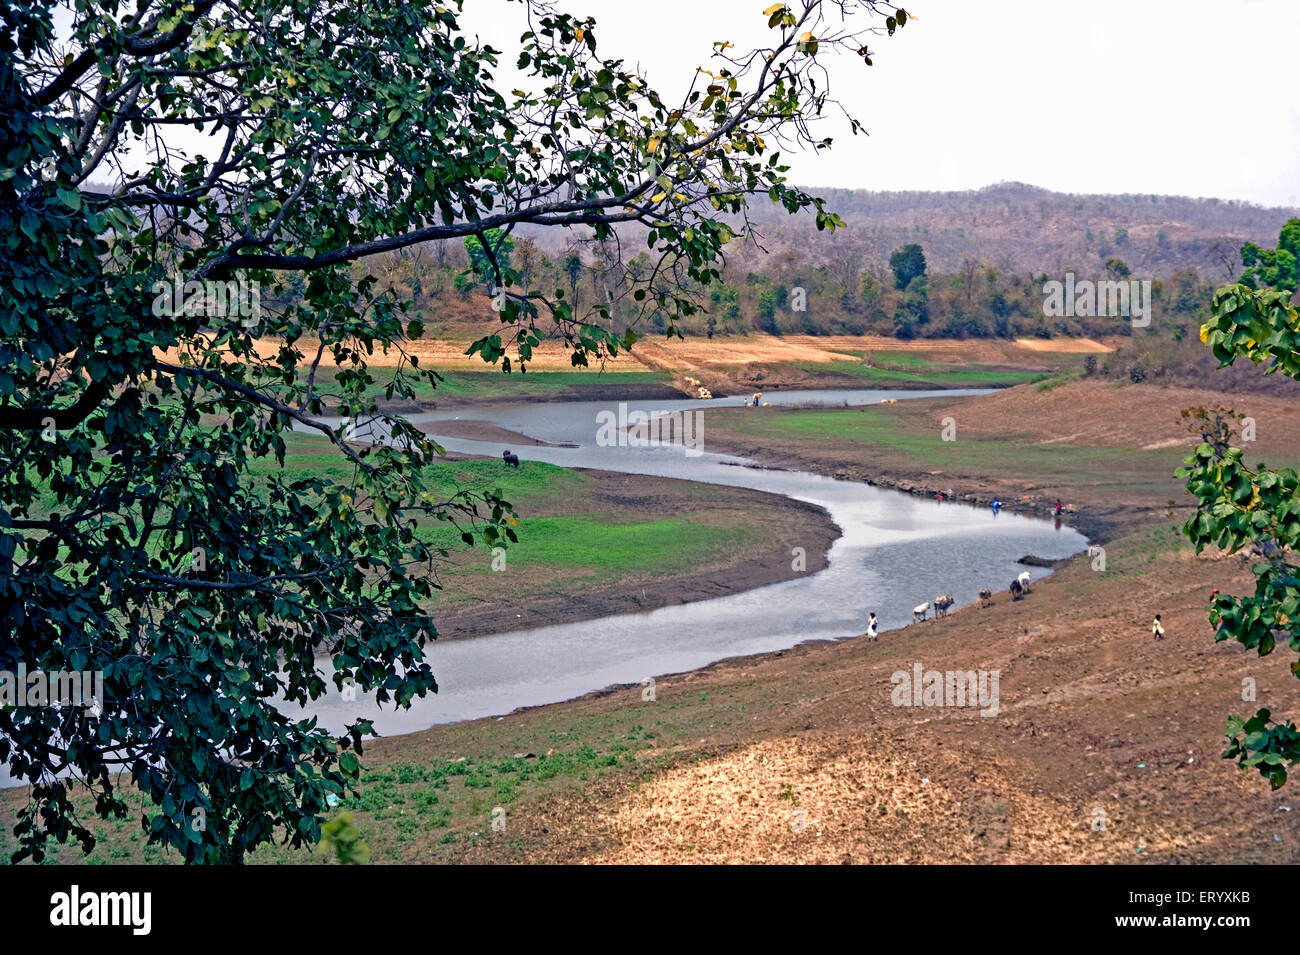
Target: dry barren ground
[[1105, 747], [1102, 413], [735, 364], [1106, 744], [770, 349]]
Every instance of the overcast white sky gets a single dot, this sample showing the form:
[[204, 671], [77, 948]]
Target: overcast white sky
[[1187, 97]]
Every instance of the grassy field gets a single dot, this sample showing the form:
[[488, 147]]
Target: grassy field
[[313, 455], [908, 435], [310, 455], [727, 365], [929, 374], [908, 369], [606, 544], [570, 533], [495, 385]]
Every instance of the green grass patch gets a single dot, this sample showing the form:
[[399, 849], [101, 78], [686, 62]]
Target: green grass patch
[[938, 374], [903, 432], [496, 384], [910, 360], [1133, 554], [314, 456], [669, 545], [1056, 379]]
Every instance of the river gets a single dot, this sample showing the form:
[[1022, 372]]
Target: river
[[896, 551]]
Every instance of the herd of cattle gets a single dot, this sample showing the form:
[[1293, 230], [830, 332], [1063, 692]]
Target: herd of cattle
[[1019, 587]]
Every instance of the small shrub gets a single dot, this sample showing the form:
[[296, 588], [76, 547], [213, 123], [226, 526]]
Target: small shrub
[[375, 798], [411, 773], [425, 799], [341, 834]]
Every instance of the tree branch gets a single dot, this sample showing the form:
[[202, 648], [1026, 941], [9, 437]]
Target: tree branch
[[269, 402]]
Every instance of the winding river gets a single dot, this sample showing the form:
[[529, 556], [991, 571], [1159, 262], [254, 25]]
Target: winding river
[[896, 551]]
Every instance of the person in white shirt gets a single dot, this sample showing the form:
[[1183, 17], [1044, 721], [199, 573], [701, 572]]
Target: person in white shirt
[[873, 628], [1157, 630]]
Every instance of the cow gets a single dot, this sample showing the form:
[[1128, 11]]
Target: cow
[[1017, 591], [941, 604], [512, 460], [918, 613], [986, 597]]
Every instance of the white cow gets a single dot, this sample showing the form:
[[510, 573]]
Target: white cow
[[918, 613]]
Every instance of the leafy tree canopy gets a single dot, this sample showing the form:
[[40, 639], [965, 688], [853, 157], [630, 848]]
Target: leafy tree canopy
[[145, 530], [489, 255], [1277, 268], [1240, 506], [908, 263]]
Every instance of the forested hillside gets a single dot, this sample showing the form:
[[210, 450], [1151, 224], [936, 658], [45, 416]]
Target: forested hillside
[[980, 263], [1023, 229]]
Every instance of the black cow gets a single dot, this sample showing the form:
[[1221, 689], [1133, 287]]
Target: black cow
[[512, 460]]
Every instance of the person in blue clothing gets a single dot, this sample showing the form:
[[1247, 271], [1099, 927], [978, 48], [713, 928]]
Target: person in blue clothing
[[997, 505]]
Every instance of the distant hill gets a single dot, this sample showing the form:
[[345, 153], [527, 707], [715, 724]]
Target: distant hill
[[1018, 228], [988, 254], [1027, 230]]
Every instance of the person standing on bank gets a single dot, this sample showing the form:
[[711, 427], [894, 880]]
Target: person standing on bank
[[873, 628], [1157, 630]]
